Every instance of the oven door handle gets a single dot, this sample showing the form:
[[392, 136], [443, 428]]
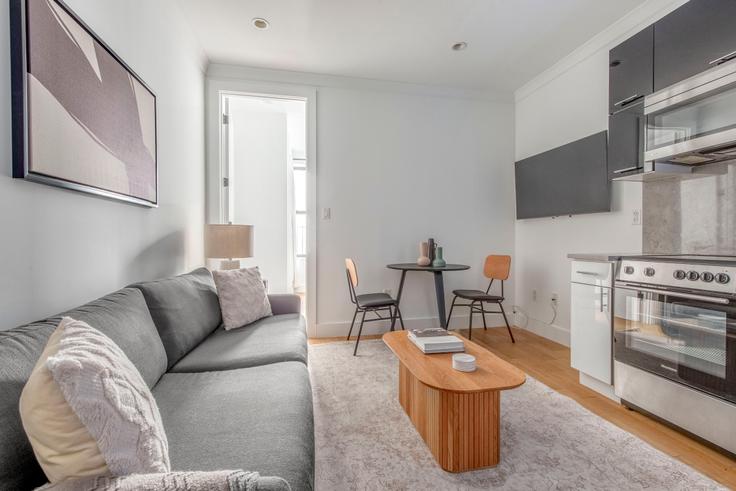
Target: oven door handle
[[690, 296]]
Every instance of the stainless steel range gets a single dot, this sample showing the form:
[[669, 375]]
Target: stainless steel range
[[675, 341]]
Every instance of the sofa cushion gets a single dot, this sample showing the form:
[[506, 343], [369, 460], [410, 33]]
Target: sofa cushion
[[122, 316], [269, 340], [184, 308], [20, 348], [256, 419]]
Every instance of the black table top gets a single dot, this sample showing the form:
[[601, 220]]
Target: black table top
[[415, 267]]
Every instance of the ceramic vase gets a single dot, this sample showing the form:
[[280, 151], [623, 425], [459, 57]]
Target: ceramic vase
[[431, 246], [423, 259], [439, 261]]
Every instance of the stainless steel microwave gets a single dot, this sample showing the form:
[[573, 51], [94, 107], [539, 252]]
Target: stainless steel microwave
[[693, 122]]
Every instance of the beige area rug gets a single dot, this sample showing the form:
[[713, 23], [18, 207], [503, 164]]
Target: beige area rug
[[365, 441]]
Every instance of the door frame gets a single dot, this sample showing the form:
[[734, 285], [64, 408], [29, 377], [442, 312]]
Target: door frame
[[216, 162]]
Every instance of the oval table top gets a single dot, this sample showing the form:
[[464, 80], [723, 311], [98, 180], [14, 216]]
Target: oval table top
[[416, 267], [435, 370]]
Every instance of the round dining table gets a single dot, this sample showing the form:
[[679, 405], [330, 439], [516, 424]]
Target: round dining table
[[439, 283]]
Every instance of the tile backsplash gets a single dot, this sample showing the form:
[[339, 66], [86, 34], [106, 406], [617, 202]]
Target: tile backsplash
[[692, 216]]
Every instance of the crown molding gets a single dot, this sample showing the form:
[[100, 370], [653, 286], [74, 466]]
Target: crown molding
[[220, 71]]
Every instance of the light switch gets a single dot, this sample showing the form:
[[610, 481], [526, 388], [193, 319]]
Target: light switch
[[326, 213]]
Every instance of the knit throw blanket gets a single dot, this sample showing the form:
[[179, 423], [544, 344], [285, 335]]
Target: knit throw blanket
[[169, 481]]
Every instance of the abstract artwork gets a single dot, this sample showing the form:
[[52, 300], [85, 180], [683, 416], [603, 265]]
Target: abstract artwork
[[82, 119]]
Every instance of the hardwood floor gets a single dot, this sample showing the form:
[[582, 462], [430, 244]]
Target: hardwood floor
[[549, 363]]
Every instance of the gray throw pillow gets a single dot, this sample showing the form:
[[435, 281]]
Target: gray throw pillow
[[243, 297]]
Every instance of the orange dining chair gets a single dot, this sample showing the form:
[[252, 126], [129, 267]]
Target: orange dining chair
[[495, 268]]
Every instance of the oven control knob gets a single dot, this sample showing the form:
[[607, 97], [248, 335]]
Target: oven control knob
[[693, 275], [722, 278], [629, 270], [707, 276], [649, 272], [679, 274]]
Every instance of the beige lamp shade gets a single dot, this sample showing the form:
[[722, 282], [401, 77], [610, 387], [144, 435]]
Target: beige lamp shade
[[228, 241]]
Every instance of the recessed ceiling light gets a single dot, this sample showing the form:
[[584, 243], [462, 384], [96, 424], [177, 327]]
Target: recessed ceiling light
[[459, 46], [260, 23]]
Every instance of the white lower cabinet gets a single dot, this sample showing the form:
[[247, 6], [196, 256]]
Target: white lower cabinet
[[591, 328]]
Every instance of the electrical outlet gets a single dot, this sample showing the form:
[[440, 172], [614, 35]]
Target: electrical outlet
[[555, 298], [534, 295], [326, 213], [636, 217]]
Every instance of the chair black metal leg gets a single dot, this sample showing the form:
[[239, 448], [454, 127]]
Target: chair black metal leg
[[470, 321], [449, 316], [360, 330], [483, 312], [352, 323], [401, 320], [392, 313], [507, 323]]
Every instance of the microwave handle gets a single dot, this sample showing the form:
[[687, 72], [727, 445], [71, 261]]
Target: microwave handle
[[690, 296]]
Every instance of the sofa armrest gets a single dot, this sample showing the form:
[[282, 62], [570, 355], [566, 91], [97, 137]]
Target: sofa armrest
[[285, 303]]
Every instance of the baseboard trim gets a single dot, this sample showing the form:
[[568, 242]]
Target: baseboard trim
[[550, 331]]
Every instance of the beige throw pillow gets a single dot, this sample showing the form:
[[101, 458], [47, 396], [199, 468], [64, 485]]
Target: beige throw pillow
[[243, 297], [88, 412]]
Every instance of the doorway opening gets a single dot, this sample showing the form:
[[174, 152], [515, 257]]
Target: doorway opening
[[264, 168]]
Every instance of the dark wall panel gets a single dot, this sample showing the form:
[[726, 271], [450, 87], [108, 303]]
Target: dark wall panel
[[571, 179]]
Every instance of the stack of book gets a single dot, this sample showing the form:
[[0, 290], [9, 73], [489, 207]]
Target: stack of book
[[436, 340]]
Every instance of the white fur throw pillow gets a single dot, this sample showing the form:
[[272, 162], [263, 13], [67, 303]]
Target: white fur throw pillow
[[87, 410], [242, 295]]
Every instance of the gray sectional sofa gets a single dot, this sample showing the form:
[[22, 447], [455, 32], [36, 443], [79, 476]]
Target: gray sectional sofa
[[238, 399]]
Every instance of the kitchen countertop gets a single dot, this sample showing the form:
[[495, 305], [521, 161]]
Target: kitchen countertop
[[599, 257]]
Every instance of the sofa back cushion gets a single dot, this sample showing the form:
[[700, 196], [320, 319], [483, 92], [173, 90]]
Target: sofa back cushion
[[185, 310], [122, 316]]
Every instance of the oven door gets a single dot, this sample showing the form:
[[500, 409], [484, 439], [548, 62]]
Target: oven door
[[687, 338]]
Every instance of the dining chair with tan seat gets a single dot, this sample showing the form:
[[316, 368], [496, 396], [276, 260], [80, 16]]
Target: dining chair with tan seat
[[495, 268], [375, 303]]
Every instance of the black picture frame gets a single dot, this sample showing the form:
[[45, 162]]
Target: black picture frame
[[19, 60]]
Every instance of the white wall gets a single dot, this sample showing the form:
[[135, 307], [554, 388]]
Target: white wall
[[59, 248], [567, 102], [258, 185], [397, 164]]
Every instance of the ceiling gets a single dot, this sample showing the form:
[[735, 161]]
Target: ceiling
[[509, 41]]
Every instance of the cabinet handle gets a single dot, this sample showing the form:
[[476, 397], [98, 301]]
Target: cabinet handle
[[723, 58], [621, 171], [634, 97], [604, 305]]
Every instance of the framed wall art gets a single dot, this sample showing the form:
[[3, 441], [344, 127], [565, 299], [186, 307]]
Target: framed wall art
[[82, 119]]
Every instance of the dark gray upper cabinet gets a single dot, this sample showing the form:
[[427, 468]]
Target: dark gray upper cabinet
[[626, 141], [692, 38], [630, 70]]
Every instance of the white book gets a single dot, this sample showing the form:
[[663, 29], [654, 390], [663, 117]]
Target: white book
[[439, 344]]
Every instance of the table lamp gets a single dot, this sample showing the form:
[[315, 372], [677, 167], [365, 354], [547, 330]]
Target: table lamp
[[227, 242]]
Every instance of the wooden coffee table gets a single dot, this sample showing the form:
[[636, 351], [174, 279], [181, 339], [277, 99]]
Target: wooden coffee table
[[456, 413]]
